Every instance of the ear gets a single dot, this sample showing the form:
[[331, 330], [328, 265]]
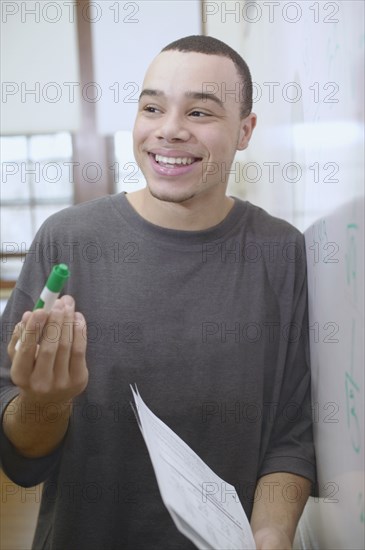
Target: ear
[[247, 127]]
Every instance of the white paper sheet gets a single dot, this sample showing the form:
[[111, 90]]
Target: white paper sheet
[[203, 506]]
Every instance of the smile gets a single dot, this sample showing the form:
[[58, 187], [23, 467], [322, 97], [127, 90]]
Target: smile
[[174, 160], [172, 166]]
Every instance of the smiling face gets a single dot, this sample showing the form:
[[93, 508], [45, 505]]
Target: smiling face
[[184, 138]]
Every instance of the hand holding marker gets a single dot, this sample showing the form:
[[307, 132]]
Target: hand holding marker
[[54, 285]]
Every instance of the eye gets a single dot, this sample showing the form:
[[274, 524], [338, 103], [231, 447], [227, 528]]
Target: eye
[[198, 114], [150, 109]]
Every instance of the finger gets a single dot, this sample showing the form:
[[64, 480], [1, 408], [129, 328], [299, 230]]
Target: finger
[[42, 375], [26, 316], [15, 337], [61, 365], [24, 359], [78, 370], [13, 345], [67, 300]]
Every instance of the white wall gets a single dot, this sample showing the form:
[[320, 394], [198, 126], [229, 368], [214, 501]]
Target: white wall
[[125, 40], [39, 68], [312, 52]]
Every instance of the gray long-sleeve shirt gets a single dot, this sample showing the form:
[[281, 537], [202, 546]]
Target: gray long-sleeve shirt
[[211, 325]]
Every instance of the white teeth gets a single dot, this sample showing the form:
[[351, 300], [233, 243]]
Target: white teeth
[[173, 160]]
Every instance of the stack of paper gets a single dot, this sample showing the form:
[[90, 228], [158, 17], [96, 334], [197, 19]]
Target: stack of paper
[[204, 508]]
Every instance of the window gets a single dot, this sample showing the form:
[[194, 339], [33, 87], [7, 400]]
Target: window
[[36, 181], [127, 175]]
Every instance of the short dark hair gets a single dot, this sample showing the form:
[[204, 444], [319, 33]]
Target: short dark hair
[[212, 46]]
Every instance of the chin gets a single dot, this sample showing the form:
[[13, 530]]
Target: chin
[[177, 197]]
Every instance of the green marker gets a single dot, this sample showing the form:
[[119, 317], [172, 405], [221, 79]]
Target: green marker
[[55, 282]]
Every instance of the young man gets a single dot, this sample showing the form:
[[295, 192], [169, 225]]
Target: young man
[[198, 297]]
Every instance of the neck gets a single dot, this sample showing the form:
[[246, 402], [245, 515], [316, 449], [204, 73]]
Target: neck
[[193, 215]]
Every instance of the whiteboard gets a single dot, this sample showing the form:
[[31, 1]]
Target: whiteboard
[[335, 256]]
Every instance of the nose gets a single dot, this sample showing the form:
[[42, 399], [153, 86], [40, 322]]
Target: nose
[[173, 128]]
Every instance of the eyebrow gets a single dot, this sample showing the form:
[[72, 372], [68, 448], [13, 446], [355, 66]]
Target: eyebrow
[[193, 95]]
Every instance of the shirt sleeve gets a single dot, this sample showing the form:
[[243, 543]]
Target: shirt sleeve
[[23, 471], [291, 448]]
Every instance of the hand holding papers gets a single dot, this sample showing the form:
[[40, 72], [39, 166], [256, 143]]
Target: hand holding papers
[[204, 508]]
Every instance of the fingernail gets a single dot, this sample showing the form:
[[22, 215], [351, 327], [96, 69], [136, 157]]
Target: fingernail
[[68, 300]]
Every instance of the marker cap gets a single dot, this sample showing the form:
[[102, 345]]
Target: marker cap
[[59, 274]]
